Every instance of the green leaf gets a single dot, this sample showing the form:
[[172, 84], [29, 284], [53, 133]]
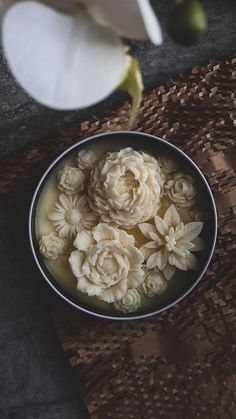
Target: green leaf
[[132, 83]]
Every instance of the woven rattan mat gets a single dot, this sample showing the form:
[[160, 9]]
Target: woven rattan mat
[[178, 364]]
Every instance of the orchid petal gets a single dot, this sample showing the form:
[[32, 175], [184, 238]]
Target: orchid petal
[[64, 62], [150, 21], [129, 18]]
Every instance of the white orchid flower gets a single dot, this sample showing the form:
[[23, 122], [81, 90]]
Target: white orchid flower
[[68, 54]]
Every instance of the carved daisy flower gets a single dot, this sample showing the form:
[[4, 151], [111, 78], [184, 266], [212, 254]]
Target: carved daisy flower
[[71, 215], [171, 242]]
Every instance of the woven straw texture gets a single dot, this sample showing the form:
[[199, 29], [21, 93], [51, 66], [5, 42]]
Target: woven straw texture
[[178, 364]]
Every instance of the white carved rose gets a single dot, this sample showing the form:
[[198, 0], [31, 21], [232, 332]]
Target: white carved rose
[[125, 187], [153, 284], [71, 180], [106, 262], [168, 164], [130, 302], [52, 247], [181, 190], [86, 159]]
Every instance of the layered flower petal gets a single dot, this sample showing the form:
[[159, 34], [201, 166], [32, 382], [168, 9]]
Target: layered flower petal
[[199, 244], [161, 226], [146, 229], [172, 217], [84, 240], [87, 287], [169, 272], [114, 293], [158, 259], [76, 261], [135, 279], [192, 230], [64, 62], [103, 231]]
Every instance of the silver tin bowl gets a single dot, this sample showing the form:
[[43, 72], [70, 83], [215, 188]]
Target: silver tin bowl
[[154, 145]]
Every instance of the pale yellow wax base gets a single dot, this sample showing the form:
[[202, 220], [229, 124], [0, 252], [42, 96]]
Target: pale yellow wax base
[[60, 269]]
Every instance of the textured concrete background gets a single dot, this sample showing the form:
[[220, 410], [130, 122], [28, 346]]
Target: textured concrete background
[[35, 379]]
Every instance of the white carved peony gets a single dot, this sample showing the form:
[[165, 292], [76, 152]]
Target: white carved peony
[[130, 302], [86, 159], [52, 247], [70, 180], [168, 164], [72, 214], [125, 187], [153, 284], [181, 190], [171, 242], [106, 262]]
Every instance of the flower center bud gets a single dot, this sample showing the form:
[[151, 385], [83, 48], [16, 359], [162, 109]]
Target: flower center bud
[[170, 243], [73, 216]]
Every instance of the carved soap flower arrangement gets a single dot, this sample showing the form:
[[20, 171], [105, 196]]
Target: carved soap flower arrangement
[[124, 224]]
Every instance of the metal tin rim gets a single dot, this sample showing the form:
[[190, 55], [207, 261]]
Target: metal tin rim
[[34, 203]]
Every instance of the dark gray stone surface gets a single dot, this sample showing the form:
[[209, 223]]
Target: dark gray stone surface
[[36, 381]]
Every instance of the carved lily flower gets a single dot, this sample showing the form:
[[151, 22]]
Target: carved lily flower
[[171, 242], [68, 54]]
